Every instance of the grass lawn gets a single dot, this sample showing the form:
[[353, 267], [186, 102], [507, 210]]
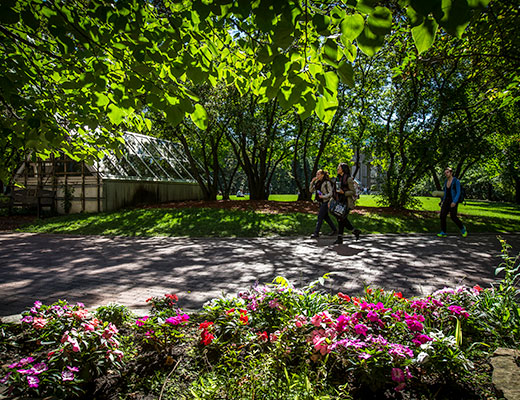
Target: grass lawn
[[478, 216]]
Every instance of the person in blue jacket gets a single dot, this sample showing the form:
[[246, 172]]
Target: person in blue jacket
[[449, 203]]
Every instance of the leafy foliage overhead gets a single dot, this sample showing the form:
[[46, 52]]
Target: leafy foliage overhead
[[74, 72]]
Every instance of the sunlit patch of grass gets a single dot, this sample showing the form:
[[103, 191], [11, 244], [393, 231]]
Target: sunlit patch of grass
[[209, 222]]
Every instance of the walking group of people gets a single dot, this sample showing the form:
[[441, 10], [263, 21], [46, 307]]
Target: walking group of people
[[343, 190]]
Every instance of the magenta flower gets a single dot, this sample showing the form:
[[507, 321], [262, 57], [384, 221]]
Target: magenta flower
[[397, 375], [421, 338], [458, 310], [372, 316], [33, 381], [37, 304], [342, 323], [5, 378], [72, 369], [149, 333], [28, 319], [39, 368], [364, 356], [67, 376], [141, 321], [399, 350], [25, 361], [361, 329], [24, 371]]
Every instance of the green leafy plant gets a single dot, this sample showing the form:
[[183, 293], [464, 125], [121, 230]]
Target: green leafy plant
[[69, 350], [117, 314]]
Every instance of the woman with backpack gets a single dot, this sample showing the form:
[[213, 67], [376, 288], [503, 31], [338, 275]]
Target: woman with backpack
[[449, 203], [345, 193], [322, 185]]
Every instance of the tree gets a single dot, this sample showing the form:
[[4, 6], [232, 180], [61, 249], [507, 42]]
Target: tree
[[73, 73]]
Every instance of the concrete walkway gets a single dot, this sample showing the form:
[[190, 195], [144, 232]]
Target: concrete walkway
[[97, 270]]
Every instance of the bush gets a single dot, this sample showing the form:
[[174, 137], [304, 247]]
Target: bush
[[68, 350]]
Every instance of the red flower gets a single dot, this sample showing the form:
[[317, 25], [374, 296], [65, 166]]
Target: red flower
[[344, 296], [205, 325], [206, 337], [477, 288], [148, 299], [172, 296], [399, 295], [242, 311], [262, 336], [369, 291], [355, 300], [244, 319], [230, 311]]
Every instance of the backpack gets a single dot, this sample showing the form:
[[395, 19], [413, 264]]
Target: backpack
[[355, 196]]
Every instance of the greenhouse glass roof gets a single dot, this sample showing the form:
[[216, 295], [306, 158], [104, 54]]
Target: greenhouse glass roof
[[146, 158]]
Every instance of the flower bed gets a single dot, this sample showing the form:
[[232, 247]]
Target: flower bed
[[271, 342]]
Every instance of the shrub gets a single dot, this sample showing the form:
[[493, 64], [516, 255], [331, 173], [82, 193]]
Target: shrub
[[69, 351], [117, 314]]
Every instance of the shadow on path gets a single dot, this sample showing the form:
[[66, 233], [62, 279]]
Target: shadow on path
[[97, 270]]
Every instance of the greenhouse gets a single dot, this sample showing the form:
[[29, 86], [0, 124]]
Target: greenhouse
[[148, 170]]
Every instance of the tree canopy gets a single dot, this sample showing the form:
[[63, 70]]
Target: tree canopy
[[73, 74]]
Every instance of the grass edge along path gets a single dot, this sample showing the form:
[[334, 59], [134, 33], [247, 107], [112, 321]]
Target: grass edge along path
[[208, 222]]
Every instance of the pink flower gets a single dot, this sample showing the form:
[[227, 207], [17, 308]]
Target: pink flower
[[149, 333], [361, 329], [141, 321], [88, 327], [37, 304], [342, 323], [32, 381], [73, 369], [5, 378], [364, 356], [372, 316], [421, 338], [458, 310], [75, 345], [110, 331], [397, 375], [39, 323], [67, 376], [28, 319], [39, 368]]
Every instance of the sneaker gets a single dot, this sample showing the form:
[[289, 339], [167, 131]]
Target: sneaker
[[339, 240], [356, 233], [442, 234], [315, 236], [464, 231]]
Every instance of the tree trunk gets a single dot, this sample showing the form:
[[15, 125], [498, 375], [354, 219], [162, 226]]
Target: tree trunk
[[517, 189], [438, 185]]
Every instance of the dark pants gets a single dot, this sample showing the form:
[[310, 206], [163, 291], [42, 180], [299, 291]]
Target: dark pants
[[344, 223], [323, 214], [445, 210]]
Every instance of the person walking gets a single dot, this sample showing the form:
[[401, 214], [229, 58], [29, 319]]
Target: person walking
[[449, 203], [345, 191], [322, 186]]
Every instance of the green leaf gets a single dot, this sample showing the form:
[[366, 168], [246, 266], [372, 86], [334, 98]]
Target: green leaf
[[346, 73], [366, 6], [200, 117], [424, 34], [478, 3], [102, 99], [331, 81], [370, 43], [330, 52], [115, 114], [352, 26], [325, 109], [380, 21], [456, 17], [174, 115], [424, 8], [321, 22]]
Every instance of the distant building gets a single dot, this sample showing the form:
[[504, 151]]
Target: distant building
[[150, 170]]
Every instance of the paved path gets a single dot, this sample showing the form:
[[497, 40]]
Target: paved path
[[97, 270]]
